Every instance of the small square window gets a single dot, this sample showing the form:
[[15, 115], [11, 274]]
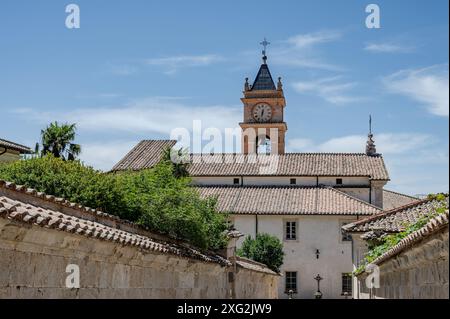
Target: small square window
[[293, 181], [347, 284], [291, 230], [236, 181], [291, 281], [338, 181]]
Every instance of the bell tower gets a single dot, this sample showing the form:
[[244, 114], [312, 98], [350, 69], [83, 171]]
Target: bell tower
[[263, 128]]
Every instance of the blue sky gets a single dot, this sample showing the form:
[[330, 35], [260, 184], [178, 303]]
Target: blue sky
[[137, 69]]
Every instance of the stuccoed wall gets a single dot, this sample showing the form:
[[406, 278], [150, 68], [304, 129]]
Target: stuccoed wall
[[314, 232], [420, 272], [33, 263]]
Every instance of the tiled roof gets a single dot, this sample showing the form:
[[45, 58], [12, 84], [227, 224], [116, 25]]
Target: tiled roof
[[21, 204], [396, 219], [14, 146], [145, 154], [289, 164], [263, 80], [254, 265], [393, 200], [435, 225], [287, 200], [149, 152]]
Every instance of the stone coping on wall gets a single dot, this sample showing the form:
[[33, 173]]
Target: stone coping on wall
[[29, 206]]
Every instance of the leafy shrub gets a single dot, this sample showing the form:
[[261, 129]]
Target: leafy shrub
[[265, 249], [154, 198]]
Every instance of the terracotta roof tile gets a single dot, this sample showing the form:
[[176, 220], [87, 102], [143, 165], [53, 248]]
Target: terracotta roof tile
[[290, 164], [254, 265], [287, 200], [145, 154], [396, 219], [20, 203], [435, 225], [14, 146], [148, 153]]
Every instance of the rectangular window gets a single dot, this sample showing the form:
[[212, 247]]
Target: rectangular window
[[291, 281], [291, 230], [293, 181], [344, 235], [347, 284], [236, 181], [338, 181]]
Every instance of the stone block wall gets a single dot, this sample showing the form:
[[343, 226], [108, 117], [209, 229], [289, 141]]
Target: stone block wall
[[33, 263], [420, 272]]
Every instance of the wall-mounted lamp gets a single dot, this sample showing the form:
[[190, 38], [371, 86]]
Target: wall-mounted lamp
[[317, 253]]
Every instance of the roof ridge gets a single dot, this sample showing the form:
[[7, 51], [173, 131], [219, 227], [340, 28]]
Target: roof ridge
[[387, 213], [258, 186], [354, 198], [293, 153], [397, 193], [434, 224], [16, 145]]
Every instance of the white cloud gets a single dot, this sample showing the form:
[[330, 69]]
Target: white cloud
[[387, 143], [387, 48], [173, 63], [301, 50], [428, 86], [417, 163], [122, 69], [309, 40], [104, 155], [158, 115], [331, 89]]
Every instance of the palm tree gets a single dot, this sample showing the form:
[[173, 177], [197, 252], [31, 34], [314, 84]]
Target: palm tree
[[57, 140]]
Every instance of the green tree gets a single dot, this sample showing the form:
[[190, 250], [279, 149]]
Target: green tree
[[154, 198], [265, 249], [58, 140]]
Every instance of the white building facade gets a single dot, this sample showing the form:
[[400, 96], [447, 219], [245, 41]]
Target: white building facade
[[304, 199]]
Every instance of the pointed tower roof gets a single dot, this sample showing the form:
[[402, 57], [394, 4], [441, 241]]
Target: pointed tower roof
[[263, 80]]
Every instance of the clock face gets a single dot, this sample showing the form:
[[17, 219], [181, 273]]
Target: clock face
[[262, 112]]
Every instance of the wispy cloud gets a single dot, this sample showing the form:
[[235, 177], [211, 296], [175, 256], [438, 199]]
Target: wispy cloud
[[428, 86], [103, 155], [309, 40], [387, 48], [172, 64], [387, 143], [122, 69], [417, 163], [158, 115], [301, 50], [331, 89]]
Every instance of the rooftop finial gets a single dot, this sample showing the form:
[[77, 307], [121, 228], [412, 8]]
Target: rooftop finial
[[370, 145], [265, 43]]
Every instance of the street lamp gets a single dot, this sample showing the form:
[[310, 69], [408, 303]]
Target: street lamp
[[318, 294]]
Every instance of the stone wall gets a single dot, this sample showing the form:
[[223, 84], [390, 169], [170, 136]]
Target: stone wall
[[33, 262], [8, 156], [420, 272]]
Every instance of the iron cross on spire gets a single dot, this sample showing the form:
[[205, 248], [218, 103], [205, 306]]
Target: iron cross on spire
[[370, 124], [265, 43]]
